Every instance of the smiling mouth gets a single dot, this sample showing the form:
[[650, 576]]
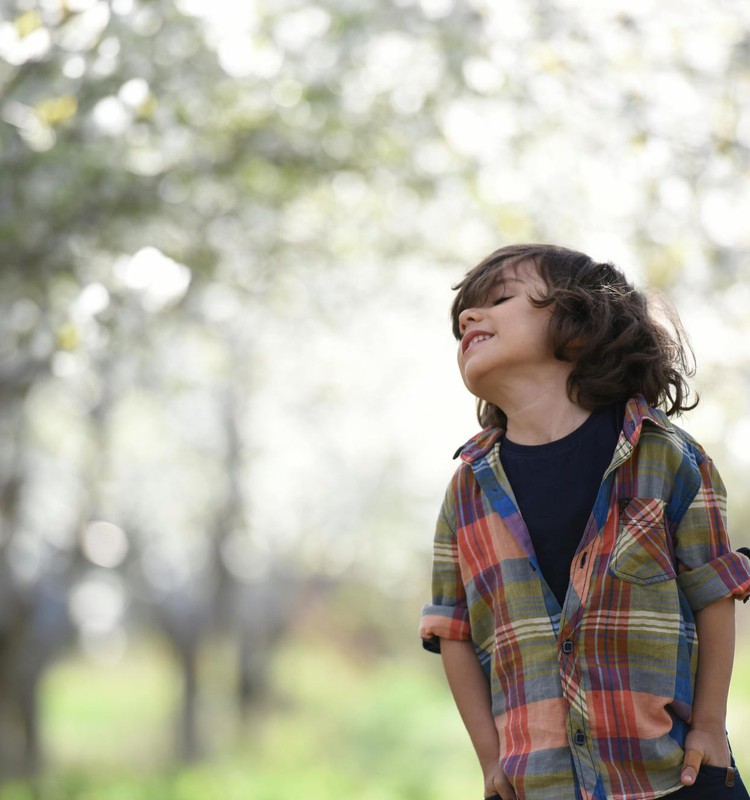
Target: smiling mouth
[[477, 339]]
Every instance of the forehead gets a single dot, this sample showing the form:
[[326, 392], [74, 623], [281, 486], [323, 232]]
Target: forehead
[[510, 273], [519, 270]]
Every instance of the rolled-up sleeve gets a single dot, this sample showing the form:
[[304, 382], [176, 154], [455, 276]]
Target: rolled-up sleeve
[[447, 615], [708, 568]]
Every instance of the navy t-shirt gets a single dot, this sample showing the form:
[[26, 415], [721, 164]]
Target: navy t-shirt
[[555, 486]]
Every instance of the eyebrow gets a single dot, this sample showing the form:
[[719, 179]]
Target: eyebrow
[[505, 282]]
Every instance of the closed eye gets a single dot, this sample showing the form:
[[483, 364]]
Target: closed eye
[[501, 300]]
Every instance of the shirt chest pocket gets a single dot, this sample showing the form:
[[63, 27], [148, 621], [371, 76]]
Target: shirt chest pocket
[[642, 552]]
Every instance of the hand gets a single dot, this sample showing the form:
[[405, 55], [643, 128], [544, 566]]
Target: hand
[[496, 784], [704, 747]]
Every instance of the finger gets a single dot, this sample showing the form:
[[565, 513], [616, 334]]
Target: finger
[[690, 766]]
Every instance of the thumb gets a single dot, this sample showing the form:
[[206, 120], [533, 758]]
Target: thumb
[[690, 766]]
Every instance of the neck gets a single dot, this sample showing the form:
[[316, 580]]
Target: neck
[[540, 411], [541, 422]]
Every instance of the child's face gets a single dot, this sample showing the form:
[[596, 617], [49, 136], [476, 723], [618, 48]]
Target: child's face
[[506, 338]]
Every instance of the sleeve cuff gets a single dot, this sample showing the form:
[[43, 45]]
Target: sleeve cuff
[[443, 622], [725, 576]]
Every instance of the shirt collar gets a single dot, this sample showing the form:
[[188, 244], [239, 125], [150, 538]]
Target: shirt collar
[[479, 445], [637, 411]]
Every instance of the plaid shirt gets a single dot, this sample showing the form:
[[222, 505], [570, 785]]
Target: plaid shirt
[[596, 694]]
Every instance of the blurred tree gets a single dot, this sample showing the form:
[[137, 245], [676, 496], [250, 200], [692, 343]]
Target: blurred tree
[[134, 132], [213, 216]]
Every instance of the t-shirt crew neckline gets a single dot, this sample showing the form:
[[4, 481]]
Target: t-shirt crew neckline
[[550, 448]]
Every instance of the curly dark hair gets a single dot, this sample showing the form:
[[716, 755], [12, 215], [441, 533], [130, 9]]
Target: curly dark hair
[[600, 322]]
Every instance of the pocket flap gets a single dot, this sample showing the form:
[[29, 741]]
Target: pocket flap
[[642, 551]]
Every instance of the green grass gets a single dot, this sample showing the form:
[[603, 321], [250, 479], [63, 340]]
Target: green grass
[[334, 728], [110, 715], [738, 712]]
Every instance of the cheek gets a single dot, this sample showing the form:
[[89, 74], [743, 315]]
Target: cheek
[[539, 332]]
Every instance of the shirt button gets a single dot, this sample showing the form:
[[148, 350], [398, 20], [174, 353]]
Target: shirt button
[[567, 647], [580, 738]]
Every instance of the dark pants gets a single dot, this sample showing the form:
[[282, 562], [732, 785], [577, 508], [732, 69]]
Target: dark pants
[[711, 784]]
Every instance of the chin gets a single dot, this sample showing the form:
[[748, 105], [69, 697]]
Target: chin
[[475, 387]]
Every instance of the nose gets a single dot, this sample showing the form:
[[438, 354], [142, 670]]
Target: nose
[[468, 315]]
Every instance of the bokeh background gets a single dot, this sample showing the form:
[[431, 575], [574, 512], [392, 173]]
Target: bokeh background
[[228, 232]]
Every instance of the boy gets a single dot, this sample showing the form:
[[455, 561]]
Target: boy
[[581, 552]]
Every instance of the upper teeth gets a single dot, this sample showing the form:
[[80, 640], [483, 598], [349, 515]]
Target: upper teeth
[[480, 338]]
